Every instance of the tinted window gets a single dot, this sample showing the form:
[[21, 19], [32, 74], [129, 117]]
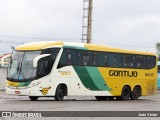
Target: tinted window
[[151, 62], [68, 58], [84, 58], [140, 61], [128, 60], [115, 60]]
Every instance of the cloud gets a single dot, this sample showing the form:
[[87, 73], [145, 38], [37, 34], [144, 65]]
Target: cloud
[[114, 21]]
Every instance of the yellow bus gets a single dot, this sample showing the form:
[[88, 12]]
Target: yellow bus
[[58, 69]]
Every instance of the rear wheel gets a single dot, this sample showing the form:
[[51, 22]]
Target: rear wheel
[[125, 93], [101, 98], [136, 93], [33, 98], [59, 93]]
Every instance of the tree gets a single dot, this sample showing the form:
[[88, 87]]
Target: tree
[[158, 50]]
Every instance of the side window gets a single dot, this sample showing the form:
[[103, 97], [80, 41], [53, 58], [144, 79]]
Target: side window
[[94, 58], [102, 59], [115, 60], [84, 58], [151, 62], [128, 61], [68, 58], [54, 52], [44, 67], [140, 62]]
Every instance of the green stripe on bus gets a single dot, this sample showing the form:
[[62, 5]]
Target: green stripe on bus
[[97, 78], [23, 84], [75, 47], [85, 78]]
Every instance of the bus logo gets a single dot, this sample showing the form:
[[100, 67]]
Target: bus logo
[[45, 90]]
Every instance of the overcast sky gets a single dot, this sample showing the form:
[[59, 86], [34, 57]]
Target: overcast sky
[[128, 24]]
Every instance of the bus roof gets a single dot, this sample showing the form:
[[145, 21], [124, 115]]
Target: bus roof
[[48, 44]]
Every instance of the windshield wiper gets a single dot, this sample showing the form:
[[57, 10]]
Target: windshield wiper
[[18, 68]]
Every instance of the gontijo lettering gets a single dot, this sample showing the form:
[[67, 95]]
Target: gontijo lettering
[[121, 73]]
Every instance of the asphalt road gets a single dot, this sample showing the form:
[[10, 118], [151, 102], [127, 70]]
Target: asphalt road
[[23, 103]]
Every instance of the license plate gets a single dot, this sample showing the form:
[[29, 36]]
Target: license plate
[[17, 92]]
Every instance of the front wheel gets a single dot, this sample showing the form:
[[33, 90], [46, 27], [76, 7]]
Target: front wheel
[[59, 93], [136, 93], [33, 98]]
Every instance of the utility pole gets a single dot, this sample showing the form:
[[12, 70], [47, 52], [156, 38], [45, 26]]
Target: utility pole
[[87, 21]]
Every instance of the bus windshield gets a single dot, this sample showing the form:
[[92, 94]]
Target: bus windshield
[[21, 65]]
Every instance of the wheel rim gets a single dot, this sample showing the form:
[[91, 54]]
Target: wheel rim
[[135, 93], [125, 93], [60, 94]]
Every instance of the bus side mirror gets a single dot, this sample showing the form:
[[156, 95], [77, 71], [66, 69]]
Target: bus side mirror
[[36, 59]]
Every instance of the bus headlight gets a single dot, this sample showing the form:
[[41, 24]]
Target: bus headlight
[[33, 84]]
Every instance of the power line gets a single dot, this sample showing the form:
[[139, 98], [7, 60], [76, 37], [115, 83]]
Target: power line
[[1, 41], [8, 36], [126, 45]]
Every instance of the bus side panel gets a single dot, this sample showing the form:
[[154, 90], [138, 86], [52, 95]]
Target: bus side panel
[[116, 78]]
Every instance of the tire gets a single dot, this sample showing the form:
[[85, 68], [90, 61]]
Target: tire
[[125, 93], [136, 93], [33, 98], [59, 93], [101, 98]]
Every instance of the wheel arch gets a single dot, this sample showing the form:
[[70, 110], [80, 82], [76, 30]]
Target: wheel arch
[[127, 86]]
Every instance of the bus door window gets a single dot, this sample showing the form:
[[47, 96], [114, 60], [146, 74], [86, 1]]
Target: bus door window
[[44, 68], [54, 53]]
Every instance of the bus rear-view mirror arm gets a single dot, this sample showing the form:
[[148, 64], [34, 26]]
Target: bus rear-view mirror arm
[[35, 61]]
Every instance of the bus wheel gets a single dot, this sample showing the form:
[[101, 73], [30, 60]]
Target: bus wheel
[[135, 93], [33, 98], [125, 93], [59, 93], [101, 98]]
